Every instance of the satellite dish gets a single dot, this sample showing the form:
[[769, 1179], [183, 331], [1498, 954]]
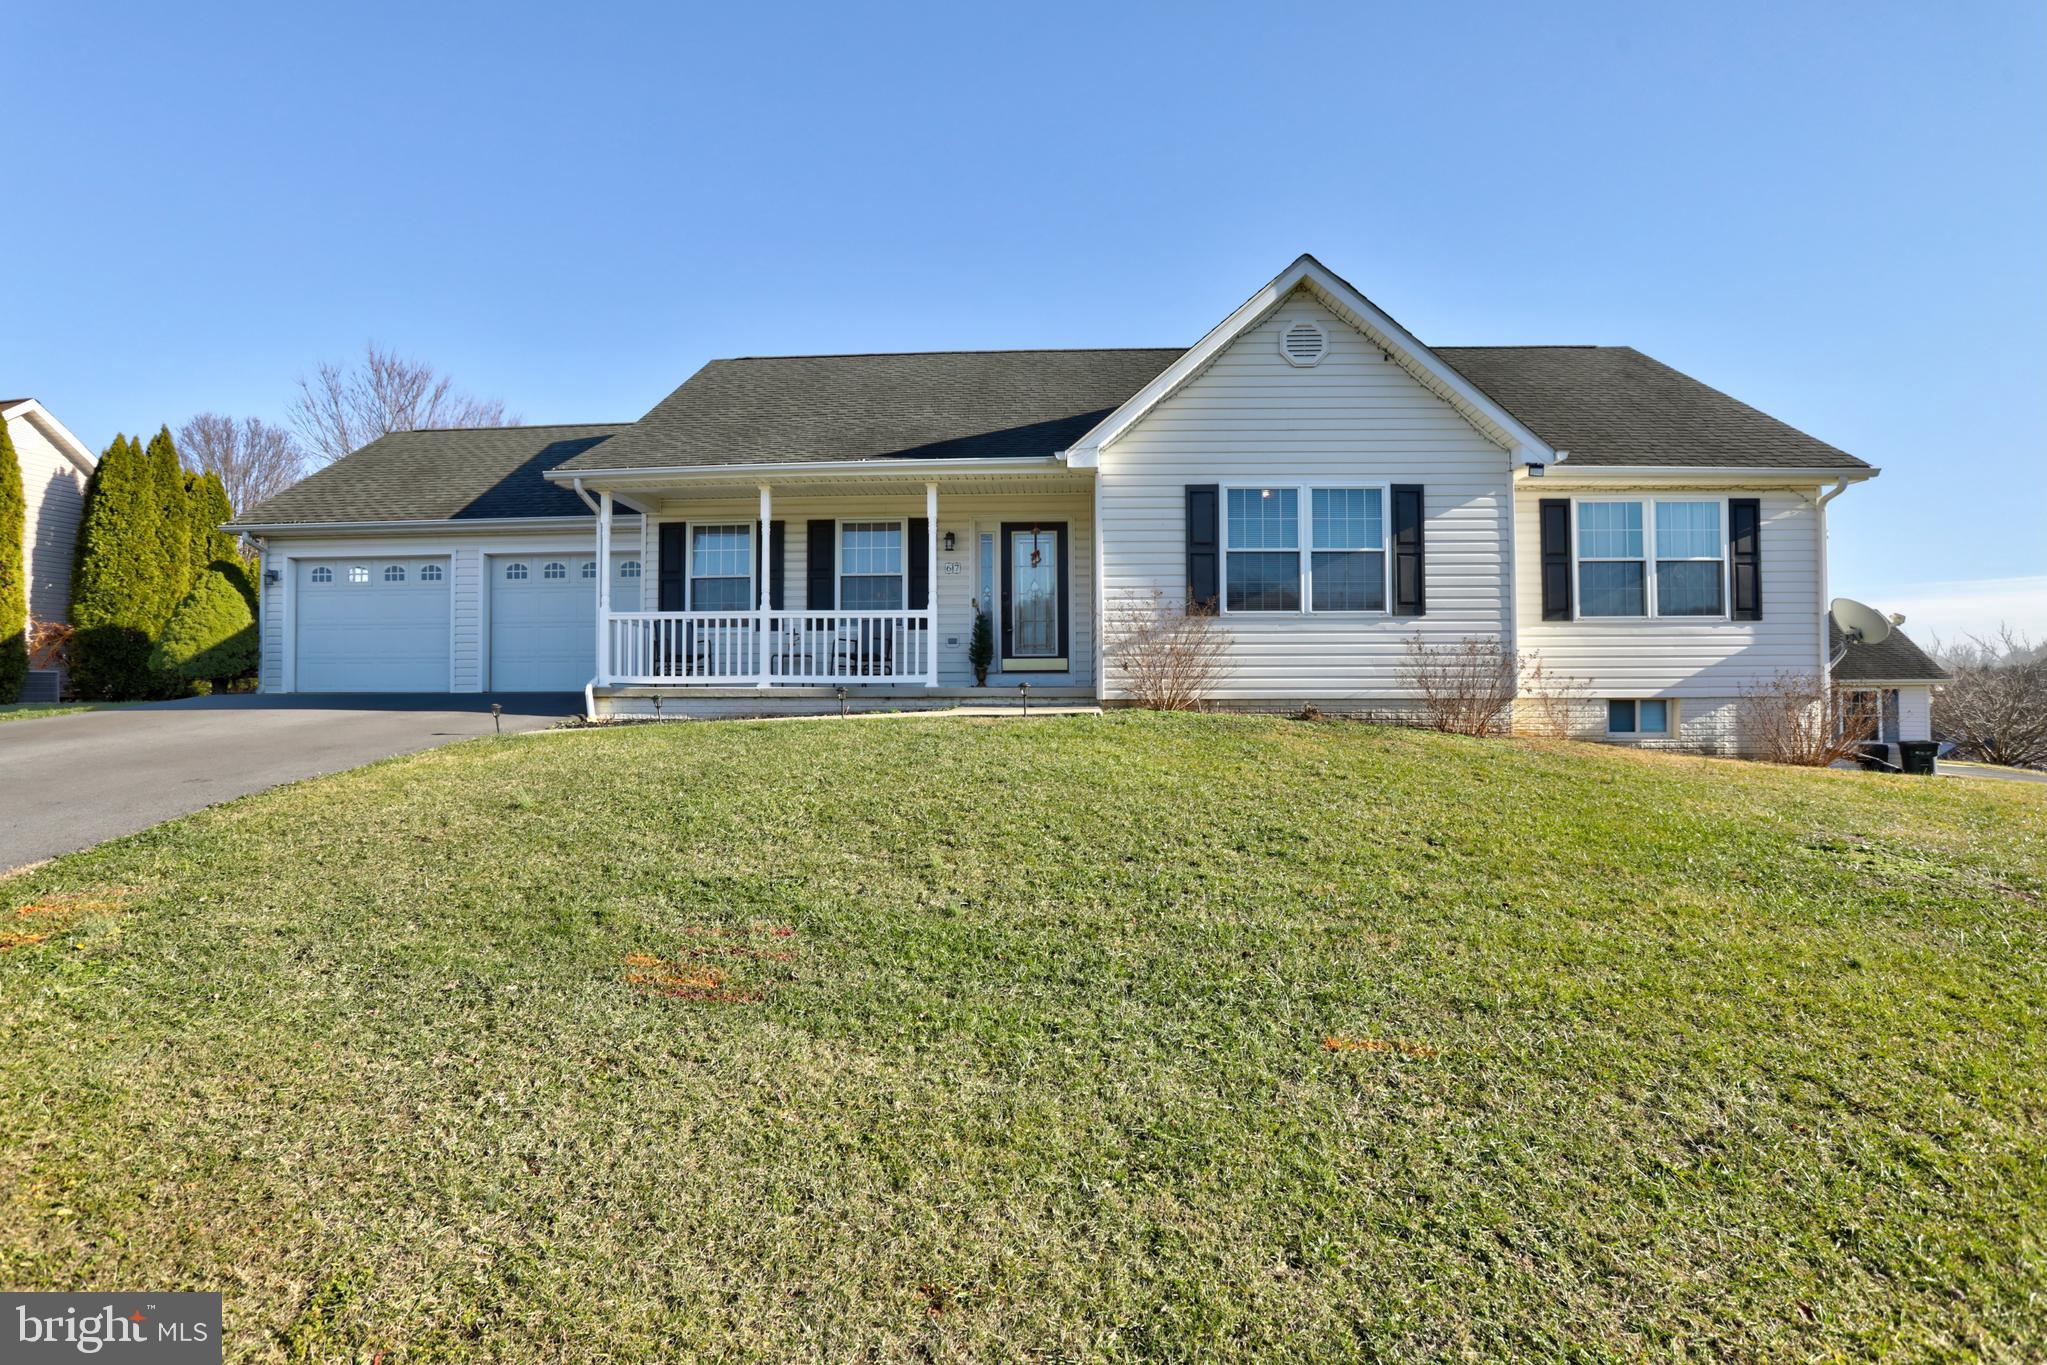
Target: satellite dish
[[1863, 625]]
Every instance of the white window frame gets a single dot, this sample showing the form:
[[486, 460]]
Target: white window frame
[[1669, 730], [1650, 612], [839, 525], [689, 566], [1305, 551]]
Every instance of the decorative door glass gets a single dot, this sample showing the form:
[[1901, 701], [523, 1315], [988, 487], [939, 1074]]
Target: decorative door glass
[[1034, 594]]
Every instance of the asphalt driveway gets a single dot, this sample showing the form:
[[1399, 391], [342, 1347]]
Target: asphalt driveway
[[68, 782]]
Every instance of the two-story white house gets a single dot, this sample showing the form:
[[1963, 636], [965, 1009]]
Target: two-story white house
[[781, 530]]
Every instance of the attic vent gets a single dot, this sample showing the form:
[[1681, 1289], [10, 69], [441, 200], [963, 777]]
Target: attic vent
[[1303, 343]]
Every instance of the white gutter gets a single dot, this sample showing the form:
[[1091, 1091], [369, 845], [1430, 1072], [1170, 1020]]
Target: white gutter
[[588, 501], [1697, 473], [444, 524], [750, 472]]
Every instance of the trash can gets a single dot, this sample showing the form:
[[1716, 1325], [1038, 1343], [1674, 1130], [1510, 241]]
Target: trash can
[[1916, 756], [1876, 758]]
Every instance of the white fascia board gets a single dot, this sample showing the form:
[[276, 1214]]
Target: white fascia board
[[74, 449], [443, 526], [1585, 476], [1336, 293], [728, 473]]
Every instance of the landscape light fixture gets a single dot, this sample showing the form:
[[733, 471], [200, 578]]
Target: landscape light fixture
[[1023, 691], [496, 711]]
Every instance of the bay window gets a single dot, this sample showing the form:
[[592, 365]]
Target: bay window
[[1340, 564], [1662, 557]]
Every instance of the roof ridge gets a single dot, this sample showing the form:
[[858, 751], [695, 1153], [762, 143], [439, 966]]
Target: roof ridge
[[511, 426], [1533, 346], [993, 350]]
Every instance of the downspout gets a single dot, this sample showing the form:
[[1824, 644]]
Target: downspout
[[1820, 531], [603, 578]]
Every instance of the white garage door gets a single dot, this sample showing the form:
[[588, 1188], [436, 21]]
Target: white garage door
[[371, 625], [543, 622]]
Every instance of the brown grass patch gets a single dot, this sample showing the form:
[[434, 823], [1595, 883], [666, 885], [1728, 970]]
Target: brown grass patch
[[1337, 1042]]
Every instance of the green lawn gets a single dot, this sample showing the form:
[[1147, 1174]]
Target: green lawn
[[1130, 1036], [36, 710]]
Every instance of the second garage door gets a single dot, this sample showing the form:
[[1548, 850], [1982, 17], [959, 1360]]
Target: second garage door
[[543, 622]]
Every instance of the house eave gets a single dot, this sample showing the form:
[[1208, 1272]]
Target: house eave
[[1573, 475], [727, 473], [418, 526]]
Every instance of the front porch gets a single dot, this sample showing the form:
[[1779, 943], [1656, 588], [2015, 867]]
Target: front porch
[[854, 591]]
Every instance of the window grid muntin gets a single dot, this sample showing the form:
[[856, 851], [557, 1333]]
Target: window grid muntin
[[721, 566], [1651, 556], [394, 573], [322, 574], [431, 573], [554, 568], [1272, 511], [873, 566]]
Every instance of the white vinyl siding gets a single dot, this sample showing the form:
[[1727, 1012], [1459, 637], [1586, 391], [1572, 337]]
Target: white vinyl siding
[[1680, 656], [1354, 420], [55, 492]]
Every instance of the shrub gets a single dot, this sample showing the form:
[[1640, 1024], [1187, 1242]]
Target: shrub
[[207, 509], [211, 637], [1170, 659], [173, 528], [981, 646], [1795, 718], [13, 573], [117, 578], [1464, 688]]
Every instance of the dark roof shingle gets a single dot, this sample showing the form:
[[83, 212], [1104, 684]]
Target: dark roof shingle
[[458, 475], [953, 405], [1612, 405], [1897, 659]]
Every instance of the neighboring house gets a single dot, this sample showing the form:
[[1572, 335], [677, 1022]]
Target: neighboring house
[[1889, 683], [1330, 484], [55, 466]]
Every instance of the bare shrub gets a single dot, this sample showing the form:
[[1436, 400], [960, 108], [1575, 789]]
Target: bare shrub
[[1464, 688], [1794, 718], [49, 644], [1171, 659], [1548, 702], [340, 410], [1996, 707]]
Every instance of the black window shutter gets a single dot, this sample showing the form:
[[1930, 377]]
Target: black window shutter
[[920, 563], [671, 566], [819, 564], [1556, 558], [778, 566], [1204, 548], [1408, 597], [1745, 553]]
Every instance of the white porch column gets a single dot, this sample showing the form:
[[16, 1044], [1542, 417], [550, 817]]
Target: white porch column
[[931, 584], [604, 589], [761, 598]]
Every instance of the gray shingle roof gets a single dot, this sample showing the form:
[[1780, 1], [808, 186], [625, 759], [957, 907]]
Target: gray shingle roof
[[460, 475], [1607, 405], [1612, 405], [1897, 659], [954, 405]]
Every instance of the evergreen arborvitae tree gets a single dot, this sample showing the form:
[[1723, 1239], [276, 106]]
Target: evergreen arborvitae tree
[[174, 527], [211, 637], [117, 581], [13, 573], [206, 496]]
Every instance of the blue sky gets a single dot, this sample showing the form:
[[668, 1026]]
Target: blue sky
[[1835, 212]]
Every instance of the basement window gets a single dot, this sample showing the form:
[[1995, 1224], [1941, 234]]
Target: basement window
[[1629, 717]]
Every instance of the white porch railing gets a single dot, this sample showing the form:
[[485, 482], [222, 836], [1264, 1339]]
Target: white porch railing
[[771, 648]]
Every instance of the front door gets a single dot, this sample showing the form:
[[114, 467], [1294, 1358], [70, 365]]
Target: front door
[[1034, 597]]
